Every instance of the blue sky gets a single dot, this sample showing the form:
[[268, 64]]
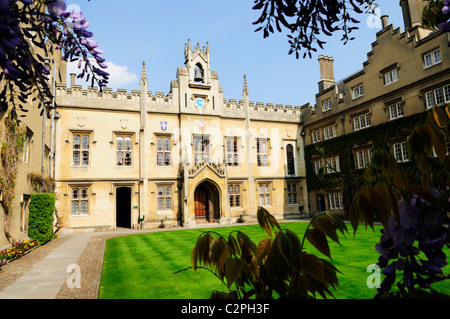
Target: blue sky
[[156, 31]]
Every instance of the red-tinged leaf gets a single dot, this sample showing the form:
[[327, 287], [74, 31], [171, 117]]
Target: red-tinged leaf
[[440, 117], [312, 266], [367, 210], [232, 270], [263, 249], [318, 239], [354, 213], [324, 224]]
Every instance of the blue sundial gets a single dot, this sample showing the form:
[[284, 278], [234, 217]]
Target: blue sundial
[[199, 102]]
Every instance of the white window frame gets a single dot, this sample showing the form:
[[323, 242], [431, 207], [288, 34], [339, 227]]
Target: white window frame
[[329, 132], [163, 151], [357, 91], [401, 152], [432, 58], [332, 164], [396, 110], [232, 150], [363, 157], [326, 105], [335, 200], [361, 121], [391, 76], [315, 136]]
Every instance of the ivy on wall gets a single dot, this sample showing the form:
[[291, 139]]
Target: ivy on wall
[[378, 136], [11, 148]]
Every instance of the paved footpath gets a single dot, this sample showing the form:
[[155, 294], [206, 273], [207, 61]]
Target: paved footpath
[[45, 279]]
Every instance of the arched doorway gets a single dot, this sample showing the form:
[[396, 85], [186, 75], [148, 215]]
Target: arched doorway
[[207, 202], [123, 207]]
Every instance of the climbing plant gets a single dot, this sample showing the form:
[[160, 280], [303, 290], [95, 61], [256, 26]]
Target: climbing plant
[[12, 147], [379, 136]]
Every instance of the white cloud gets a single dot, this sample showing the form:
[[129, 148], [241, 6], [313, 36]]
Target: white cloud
[[119, 76]]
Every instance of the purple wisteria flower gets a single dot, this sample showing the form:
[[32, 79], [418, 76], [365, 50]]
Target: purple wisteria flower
[[22, 23], [411, 248]]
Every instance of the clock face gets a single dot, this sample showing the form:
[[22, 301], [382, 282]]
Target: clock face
[[199, 102]]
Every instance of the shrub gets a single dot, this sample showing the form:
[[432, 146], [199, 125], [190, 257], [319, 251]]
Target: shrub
[[40, 225]]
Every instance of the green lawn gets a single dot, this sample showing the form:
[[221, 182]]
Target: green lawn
[[142, 266]]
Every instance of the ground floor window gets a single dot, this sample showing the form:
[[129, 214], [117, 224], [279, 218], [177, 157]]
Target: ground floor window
[[234, 195], [264, 194], [164, 200], [292, 193], [80, 201], [335, 200]]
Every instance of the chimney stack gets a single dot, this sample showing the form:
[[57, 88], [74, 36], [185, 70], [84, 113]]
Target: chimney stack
[[412, 12], [326, 72], [72, 80], [384, 21]]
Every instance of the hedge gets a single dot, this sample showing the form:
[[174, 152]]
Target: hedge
[[40, 221]]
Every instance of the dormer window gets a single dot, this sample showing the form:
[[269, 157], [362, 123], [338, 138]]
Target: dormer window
[[198, 73]]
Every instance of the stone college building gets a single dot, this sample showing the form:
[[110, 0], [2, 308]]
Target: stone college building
[[131, 160]]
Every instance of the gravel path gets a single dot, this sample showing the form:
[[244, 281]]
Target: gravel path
[[90, 263]]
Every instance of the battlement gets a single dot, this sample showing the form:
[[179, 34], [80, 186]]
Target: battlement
[[76, 95]]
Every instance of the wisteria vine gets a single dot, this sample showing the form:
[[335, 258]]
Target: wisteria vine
[[46, 25]]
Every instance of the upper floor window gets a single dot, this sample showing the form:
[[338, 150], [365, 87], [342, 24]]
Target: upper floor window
[[363, 157], [232, 151], [315, 136], [357, 91], [123, 150], [329, 132], [333, 164], [401, 152], [317, 165], [262, 152], [80, 149], [395, 110], [326, 106], [201, 148], [431, 58], [163, 153], [437, 96], [361, 121], [290, 163], [390, 76]]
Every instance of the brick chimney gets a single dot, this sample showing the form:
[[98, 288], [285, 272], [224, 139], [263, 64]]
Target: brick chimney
[[326, 72]]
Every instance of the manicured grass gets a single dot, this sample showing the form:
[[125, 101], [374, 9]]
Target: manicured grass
[[142, 266]]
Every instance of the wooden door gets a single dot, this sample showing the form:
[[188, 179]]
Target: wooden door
[[201, 203]]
